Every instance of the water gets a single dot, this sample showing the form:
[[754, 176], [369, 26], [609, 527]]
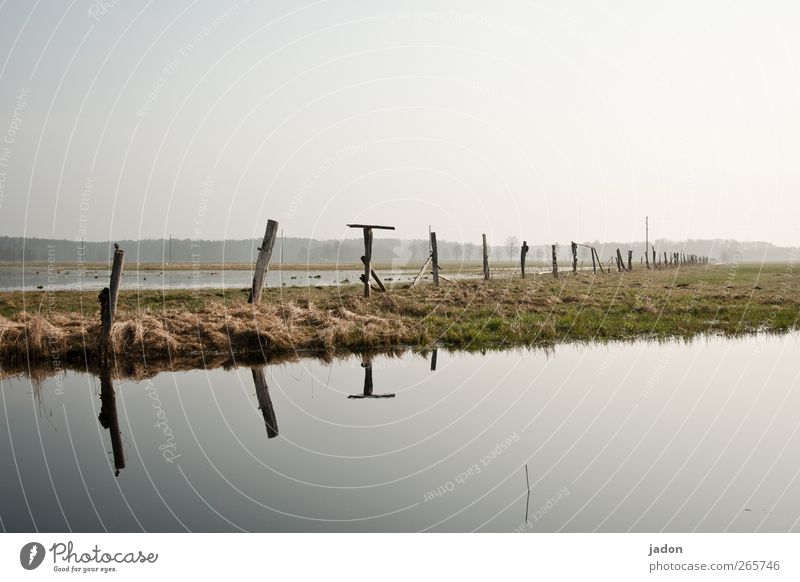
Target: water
[[32, 278], [616, 437]]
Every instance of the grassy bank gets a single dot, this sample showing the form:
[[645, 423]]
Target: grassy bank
[[190, 326]]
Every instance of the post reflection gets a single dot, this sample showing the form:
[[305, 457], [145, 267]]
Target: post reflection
[[368, 386], [108, 418], [265, 402]]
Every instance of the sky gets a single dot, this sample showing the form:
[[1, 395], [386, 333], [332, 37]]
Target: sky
[[548, 120]]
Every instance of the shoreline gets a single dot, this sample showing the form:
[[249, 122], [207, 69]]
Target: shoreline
[[187, 327]]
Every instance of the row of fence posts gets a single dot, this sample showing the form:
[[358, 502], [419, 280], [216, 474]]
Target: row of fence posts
[[109, 295]]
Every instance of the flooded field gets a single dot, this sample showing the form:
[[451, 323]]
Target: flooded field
[[642, 436], [16, 279]]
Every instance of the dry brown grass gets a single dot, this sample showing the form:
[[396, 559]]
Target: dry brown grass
[[182, 329]]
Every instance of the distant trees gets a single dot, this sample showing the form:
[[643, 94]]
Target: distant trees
[[512, 243]]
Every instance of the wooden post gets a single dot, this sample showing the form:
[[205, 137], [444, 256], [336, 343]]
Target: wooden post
[[367, 259], [630, 260], [574, 258], [522, 253], [435, 259], [665, 258], [422, 270], [599, 262], [555, 262], [265, 402], [116, 276], [594, 267], [109, 419], [485, 259], [105, 323], [262, 262], [620, 264], [654, 257]]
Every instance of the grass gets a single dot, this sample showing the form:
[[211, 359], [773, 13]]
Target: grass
[[189, 327]]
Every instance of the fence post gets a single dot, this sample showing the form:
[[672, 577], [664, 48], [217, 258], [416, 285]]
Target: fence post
[[485, 259], [262, 262], [555, 262], [574, 258], [522, 254], [435, 259], [630, 260]]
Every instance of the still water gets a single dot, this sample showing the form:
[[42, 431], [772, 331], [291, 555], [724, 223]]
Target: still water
[[643, 436], [32, 278]]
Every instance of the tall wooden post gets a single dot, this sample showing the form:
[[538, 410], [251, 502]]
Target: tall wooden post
[[594, 266], [116, 277], [485, 259], [262, 262], [574, 258], [620, 264], [435, 259], [522, 254], [108, 302], [555, 262]]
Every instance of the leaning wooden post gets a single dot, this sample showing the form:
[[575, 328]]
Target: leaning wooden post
[[599, 262], [435, 259], [574, 258], [262, 262], [555, 262], [485, 259], [116, 276], [594, 267], [522, 253], [620, 264]]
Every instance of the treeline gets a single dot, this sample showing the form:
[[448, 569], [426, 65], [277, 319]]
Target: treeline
[[306, 250]]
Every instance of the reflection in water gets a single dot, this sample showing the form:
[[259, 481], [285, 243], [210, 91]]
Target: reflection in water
[[265, 402], [602, 437], [434, 355], [108, 418], [367, 365]]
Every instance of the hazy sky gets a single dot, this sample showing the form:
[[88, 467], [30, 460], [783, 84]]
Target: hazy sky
[[548, 120]]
